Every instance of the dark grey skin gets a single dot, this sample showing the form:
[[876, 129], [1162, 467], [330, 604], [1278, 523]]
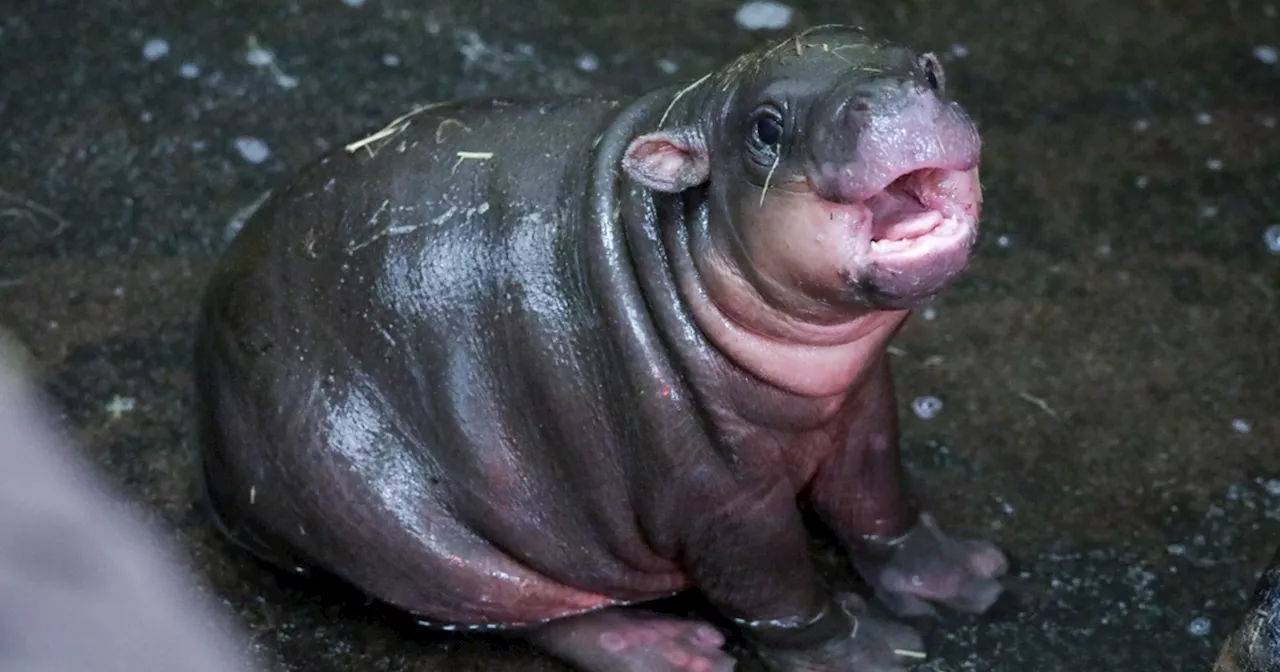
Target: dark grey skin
[[515, 366]]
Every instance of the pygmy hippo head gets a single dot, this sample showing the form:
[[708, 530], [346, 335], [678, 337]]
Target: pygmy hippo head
[[838, 177]]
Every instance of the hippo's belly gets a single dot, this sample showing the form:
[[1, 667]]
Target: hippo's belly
[[470, 460]]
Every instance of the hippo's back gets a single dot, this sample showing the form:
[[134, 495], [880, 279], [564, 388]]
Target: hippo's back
[[408, 233], [404, 352]]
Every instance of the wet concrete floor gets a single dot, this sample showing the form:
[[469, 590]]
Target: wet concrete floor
[[1107, 370]]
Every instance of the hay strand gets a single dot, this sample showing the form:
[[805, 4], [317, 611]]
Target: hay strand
[[395, 126]]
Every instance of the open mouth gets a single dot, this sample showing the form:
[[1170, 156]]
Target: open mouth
[[919, 211], [923, 211]]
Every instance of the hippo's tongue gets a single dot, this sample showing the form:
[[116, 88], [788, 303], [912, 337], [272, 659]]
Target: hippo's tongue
[[898, 214]]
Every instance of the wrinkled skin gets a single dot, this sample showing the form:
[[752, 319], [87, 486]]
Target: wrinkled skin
[[603, 360]]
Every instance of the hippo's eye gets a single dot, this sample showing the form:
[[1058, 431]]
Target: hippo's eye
[[767, 131]]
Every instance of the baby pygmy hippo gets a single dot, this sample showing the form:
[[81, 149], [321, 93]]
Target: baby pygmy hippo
[[521, 365]]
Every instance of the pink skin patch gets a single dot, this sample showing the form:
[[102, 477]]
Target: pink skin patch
[[665, 637], [614, 642], [630, 640], [930, 565], [708, 637], [677, 657], [988, 562]]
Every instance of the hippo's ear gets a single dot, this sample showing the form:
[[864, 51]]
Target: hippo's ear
[[669, 161]]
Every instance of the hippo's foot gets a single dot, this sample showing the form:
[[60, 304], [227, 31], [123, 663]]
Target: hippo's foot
[[876, 645], [629, 640], [925, 565]]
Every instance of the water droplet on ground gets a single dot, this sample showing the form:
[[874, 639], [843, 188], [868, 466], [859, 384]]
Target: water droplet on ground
[[252, 150], [926, 407], [1199, 626], [1272, 238], [258, 57], [155, 49]]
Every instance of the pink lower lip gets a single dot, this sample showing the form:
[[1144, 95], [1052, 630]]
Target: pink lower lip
[[933, 240], [916, 227]]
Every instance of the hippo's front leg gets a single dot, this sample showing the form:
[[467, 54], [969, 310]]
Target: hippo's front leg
[[908, 560], [749, 557]]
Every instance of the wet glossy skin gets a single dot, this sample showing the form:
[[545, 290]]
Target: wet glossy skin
[[513, 366]]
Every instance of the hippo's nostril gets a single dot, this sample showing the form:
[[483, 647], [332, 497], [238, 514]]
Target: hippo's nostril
[[860, 106], [932, 71]]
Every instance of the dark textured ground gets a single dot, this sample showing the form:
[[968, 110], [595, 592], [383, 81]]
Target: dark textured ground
[[1108, 369]]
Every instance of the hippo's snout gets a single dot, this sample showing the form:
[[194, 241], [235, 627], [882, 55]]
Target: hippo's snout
[[887, 97], [890, 127]]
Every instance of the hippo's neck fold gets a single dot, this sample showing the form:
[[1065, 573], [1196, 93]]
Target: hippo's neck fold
[[808, 360], [626, 264]]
